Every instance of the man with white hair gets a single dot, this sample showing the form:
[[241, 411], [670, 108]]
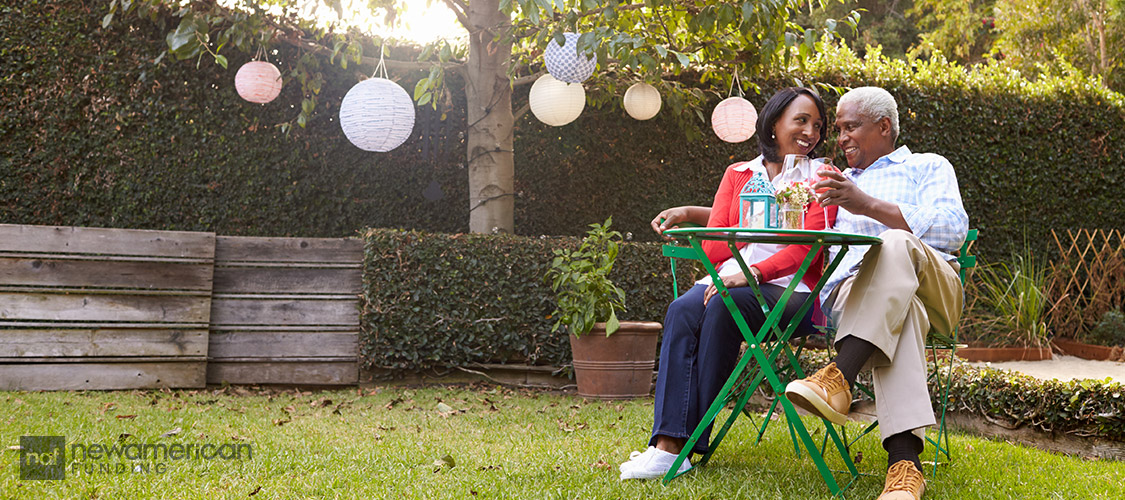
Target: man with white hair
[[885, 299]]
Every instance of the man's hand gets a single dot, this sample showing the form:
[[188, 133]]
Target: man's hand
[[842, 192], [732, 281]]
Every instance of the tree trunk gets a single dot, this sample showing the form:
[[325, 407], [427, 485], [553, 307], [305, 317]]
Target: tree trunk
[[490, 136]]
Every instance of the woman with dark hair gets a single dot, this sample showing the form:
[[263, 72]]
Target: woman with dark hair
[[701, 341]]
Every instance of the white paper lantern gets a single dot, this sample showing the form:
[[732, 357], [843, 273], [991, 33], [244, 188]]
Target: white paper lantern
[[564, 63], [377, 115], [556, 103], [734, 119], [642, 101], [258, 82]]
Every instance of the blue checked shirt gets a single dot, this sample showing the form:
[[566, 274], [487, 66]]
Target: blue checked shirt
[[924, 187]]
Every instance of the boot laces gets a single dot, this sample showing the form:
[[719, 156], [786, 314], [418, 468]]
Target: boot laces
[[903, 476]]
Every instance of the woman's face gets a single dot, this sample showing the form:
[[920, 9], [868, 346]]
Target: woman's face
[[798, 128]]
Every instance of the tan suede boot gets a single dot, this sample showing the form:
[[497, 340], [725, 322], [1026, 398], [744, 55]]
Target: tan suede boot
[[825, 394], [904, 482]]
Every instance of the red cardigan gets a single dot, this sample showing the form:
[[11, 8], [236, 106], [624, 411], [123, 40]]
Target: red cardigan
[[724, 213]]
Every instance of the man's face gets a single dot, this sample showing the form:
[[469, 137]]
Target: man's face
[[862, 139]]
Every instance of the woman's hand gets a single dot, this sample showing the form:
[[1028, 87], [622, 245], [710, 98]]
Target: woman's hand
[[732, 281], [668, 219]]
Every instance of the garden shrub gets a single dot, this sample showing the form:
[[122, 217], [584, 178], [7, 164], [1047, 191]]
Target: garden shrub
[[435, 301], [1110, 331]]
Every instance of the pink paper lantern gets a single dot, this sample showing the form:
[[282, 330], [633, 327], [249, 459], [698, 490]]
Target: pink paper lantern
[[734, 119], [258, 82]]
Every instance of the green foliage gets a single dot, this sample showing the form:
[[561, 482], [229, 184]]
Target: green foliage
[[962, 30], [1110, 331], [1078, 407], [1016, 294], [580, 280], [434, 301]]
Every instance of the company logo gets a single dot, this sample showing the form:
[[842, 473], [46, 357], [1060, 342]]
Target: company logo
[[42, 457], [45, 457]]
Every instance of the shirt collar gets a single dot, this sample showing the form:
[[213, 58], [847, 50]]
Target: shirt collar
[[897, 156], [754, 165]]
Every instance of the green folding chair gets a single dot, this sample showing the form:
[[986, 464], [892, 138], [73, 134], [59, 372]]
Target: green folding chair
[[935, 342]]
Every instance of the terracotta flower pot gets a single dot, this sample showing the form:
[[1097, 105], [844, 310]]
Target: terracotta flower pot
[[619, 366]]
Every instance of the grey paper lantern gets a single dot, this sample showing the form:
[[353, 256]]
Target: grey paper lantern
[[377, 115], [565, 64]]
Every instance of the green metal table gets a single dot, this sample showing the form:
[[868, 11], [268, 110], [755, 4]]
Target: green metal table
[[766, 352]]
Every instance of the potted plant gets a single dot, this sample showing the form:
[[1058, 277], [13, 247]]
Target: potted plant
[[612, 359]]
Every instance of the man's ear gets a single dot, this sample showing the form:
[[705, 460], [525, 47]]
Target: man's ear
[[885, 127]]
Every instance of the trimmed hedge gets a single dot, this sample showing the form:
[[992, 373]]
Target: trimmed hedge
[[434, 301], [98, 134], [1078, 407]]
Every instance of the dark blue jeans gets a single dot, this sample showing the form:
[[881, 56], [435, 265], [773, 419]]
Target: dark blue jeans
[[699, 351]]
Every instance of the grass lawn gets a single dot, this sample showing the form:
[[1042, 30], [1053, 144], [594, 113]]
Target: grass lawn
[[504, 443]]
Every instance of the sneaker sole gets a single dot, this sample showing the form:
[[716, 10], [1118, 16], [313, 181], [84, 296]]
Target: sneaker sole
[[810, 401], [634, 474]]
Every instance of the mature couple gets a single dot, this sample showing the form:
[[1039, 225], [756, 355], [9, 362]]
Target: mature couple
[[882, 300]]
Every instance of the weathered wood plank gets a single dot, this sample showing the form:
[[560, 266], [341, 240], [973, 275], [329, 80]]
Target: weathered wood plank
[[102, 376], [96, 308], [105, 274], [296, 373], [284, 312], [255, 249], [102, 342], [287, 280], [87, 240], [282, 344]]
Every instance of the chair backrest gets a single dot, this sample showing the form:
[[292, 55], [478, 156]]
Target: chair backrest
[[963, 258]]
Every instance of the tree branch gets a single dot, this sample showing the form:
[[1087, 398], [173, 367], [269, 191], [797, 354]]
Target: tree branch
[[520, 112], [524, 80], [459, 7]]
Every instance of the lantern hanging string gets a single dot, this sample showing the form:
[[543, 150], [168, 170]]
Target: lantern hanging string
[[382, 66], [733, 80], [260, 53]]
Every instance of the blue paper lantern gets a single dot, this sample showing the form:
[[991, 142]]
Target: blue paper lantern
[[757, 204], [377, 115], [565, 64]]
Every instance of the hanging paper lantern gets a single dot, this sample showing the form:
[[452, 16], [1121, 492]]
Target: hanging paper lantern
[[377, 115], [565, 64], [642, 101], [258, 82], [734, 119], [556, 103]]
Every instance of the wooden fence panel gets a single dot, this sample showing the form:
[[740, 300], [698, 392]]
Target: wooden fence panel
[[1087, 281], [285, 311], [93, 308]]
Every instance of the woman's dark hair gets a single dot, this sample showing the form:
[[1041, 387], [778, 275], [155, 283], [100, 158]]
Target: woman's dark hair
[[772, 112]]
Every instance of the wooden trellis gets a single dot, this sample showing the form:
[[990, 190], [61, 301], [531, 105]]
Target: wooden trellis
[[1088, 279]]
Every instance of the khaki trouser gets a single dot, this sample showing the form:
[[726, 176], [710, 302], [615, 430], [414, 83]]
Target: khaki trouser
[[902, 290]]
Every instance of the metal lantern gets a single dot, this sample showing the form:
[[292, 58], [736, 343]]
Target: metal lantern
[[734, 119], [377, 115], [556, 103], [757, 204], [642, 101], [565, 64], [258, 82]]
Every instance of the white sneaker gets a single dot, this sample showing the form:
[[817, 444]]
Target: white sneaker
[[634, 458], [651, 464]]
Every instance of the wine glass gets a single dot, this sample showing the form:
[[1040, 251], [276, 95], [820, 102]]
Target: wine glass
[[822, 164]]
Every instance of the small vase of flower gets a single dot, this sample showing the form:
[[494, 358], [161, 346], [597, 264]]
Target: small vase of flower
[[792, 200]]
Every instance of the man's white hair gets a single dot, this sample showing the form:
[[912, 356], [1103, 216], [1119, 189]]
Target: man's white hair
[[874, 103]]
